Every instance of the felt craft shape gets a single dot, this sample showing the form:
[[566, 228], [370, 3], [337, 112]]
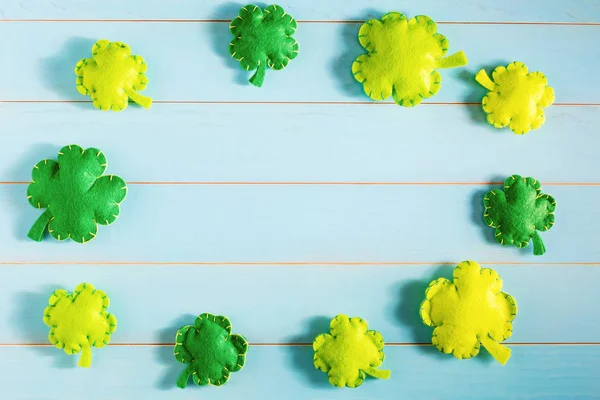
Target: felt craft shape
[[76, 195], [263, 39], [112, 76], [349, 352], [519, 212], [210, 350], [469, 312], [402, 58], [79, 321], [516, 98]]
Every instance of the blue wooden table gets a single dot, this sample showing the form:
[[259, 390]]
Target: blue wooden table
[[283, 206]]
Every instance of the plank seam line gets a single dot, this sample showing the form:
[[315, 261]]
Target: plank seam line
[[298, 263], [324, 183], [302, 21], [387, 344]]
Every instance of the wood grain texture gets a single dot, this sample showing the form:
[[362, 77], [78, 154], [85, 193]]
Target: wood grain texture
[[191, 61], [280, 260]]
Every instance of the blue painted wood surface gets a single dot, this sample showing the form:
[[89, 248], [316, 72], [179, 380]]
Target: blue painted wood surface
[[398, 201]]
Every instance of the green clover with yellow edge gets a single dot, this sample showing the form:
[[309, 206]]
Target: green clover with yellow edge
[[76, 195], [402, 58], [79, 321], [211, 351], [469, 312], [112, 76], [349, 352], [519, 212], [516, 98], [263, 40]]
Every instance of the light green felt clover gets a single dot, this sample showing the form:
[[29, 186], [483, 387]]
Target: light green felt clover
[[75, 193], [263, 40], [349, 352], [79, 321], [210, 350], [518, 212], [112, 76], [402, 58]]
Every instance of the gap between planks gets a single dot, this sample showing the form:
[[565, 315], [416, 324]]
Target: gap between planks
[[324, 183], [296, 263], [302, 21], [390, 344]]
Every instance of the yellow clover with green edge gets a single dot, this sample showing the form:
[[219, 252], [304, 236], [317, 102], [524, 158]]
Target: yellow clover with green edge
[[469, 312], [402, 58], [349, 352], [516, 97], [79, 321], [112, 76]]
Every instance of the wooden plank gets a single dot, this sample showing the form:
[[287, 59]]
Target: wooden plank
[[548, 373], [190, 62], [304, 223], [292, 304], [453, 10], [366, 144]]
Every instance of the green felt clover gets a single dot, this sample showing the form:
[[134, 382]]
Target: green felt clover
[[112, 76], [518, 212], [79, 321], [75, 193], [211, 351], [349, 352], [263, 40]]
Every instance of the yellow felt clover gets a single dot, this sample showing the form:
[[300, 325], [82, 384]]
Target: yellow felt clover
[[469, 312], [79, 321], [112, 76], [516, 97], [402, 58], [349, 352]]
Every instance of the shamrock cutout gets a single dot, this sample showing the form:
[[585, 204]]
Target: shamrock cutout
[[469, 312], [516, 97], [519, 212], [211, 351], [402, 58], [79, 321], [75, 194], [112, 76], [263, 40], [349, 352]]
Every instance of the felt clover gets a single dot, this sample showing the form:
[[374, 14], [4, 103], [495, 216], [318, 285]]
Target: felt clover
[[516, 97], [75, 194], [402, 58], [518, 212], [263, 40], [112, 76], [349, 352], [469, 312], [211, 351], [79, 321]]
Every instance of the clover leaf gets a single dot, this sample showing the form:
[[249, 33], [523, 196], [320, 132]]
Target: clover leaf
[[79, 321], [516, 98], [211, 351], [263, 40], [469, 312], [349, 352], [519, 212], [112, 76], [75, 194], [402, 58]]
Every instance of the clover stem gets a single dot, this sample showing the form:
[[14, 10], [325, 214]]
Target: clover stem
[[259, 76], [140, 99], [538, 245], [185, 375], [455, 60], [378, 373], [39, 227], [86, 356], [499, 352], [484, 80]]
